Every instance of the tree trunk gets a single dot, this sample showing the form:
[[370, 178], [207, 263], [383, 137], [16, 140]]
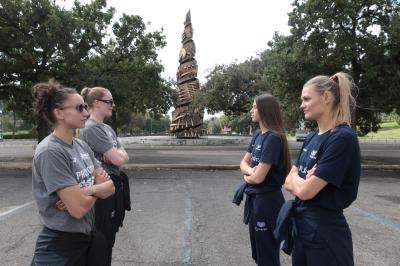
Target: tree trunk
[[356, 78], [43, 129], [14, 124], [114, 122]]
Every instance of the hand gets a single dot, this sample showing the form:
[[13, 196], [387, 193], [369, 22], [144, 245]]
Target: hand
[[60, 206], [288, 183], [100, 176], [311, 171], [104, 159], [252, 170]]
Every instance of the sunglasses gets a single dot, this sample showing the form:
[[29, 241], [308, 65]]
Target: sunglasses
[[79, 108], [110, 102]]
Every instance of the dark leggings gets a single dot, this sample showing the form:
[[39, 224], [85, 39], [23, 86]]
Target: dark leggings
[[64, 248], [322, 238], [263, 213]]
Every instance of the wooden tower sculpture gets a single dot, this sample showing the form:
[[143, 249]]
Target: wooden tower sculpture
[[187, 123]]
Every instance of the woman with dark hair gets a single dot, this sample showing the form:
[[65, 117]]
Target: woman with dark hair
[[66, 181], [265, 166], [326, 175], [103, 140]]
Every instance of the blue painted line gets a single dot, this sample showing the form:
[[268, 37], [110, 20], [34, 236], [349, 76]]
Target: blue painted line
[[188, 216], [376, 218]]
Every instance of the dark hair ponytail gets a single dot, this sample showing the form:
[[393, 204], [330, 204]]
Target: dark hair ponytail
[[47, 97], [271, 116]]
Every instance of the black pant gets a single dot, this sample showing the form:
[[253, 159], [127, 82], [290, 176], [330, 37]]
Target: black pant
[[110, 212], [68, 249], [263, 211], [105, 221]]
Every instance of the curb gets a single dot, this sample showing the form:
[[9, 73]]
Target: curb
[[196, 167]]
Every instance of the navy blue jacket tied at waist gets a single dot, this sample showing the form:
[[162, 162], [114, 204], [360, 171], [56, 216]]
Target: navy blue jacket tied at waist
[[250, 191], [329, 225], [284, 226]]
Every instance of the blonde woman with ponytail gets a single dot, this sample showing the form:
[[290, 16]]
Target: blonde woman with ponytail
[[325, 177], [102, 139]]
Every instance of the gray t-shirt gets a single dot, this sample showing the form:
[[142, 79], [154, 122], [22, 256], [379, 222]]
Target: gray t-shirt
[[101, 137], [57, 165]]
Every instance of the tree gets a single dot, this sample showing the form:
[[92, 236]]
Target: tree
[[241, 124], [231, 89], [39, 41], [359, 37], [128, 66]]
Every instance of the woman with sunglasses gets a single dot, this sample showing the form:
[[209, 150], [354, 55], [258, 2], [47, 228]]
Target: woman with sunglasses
[[326, 175], [103, 140], [67, 180]]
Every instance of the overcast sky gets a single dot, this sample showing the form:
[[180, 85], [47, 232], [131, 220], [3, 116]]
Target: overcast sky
[[224, 30]]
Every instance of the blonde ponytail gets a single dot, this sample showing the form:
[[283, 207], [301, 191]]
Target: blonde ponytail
[[342, 110], [340, 85]]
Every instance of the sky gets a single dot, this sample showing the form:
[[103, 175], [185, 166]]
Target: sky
[[225, 31]]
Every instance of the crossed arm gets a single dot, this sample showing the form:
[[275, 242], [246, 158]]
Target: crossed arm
[[255, 175], [115, 156], [304, 189], [78, 201]]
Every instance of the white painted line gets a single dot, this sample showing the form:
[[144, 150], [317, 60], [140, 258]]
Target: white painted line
[[6, 213]]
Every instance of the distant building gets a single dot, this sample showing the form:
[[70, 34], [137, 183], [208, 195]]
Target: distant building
[[226, 130]]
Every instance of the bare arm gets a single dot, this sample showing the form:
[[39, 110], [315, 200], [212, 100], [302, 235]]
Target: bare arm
[[259, 174], [76, 201], [304, 189], [245, 164], [116, 156], [103, 190]]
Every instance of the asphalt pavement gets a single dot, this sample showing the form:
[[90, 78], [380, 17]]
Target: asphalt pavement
[[182, 212], [186, 217], [208, 153]]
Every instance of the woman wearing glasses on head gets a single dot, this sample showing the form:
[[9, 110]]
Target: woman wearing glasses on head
[[66, 180], [103, 140]]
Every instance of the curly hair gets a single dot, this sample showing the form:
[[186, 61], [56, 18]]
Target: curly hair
[[47, 97]]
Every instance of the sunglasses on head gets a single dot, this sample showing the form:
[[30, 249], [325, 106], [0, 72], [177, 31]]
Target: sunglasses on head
[[110, 102], [78, 108]]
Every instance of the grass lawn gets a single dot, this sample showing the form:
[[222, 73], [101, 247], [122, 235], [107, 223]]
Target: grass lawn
[[388, 130]]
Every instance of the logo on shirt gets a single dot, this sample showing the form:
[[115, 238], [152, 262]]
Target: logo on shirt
[[85, 156], [74, 160], [313, 154], [255, 159], [85, 177], [303, 169], [258, 148]]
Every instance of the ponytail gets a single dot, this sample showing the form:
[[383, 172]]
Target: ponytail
[[340, 85], [342, 111], [91, 94]]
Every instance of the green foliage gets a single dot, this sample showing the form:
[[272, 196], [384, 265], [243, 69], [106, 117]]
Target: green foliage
[[39, 41], [231, 89], [388, 130], [240, 124], [213, 125], [359, 37], [23, 134], [137, 124]]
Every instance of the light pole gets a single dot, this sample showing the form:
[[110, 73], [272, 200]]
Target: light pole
[[1, 125]]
